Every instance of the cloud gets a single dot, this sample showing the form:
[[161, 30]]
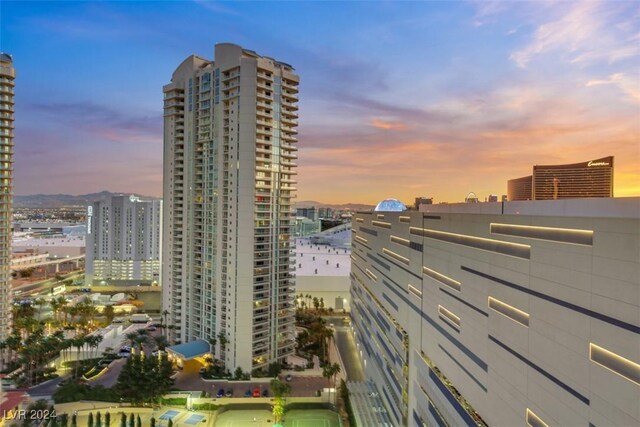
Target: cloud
[[105, 122], [387, 125], [217, 7], [584, 33], [628, 85]]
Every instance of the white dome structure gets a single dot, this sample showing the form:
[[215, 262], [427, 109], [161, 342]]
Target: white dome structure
[[390, 205]]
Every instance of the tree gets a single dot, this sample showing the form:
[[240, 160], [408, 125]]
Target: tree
[[109, 313], [74, 420], [153, 422], [161, 342], [212, 346], [278, 410], [145, 379], [107, 419], [335, 369], [329, 372], [170, 423], [165, 313], [99, 419], [123, 420], [90, 420], [64, 420], [238, 373], [138, 421], [222, 339], [279, 388], [132, 420], [316, 303]]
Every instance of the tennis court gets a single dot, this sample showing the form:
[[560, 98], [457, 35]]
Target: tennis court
[[292, 418], [194, 419], [169, 415], [245, 418], [311, 418]]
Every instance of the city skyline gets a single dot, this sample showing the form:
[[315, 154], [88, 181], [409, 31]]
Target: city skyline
[[399, 100]]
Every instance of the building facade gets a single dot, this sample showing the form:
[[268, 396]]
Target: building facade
[[465, 314], [124, 241], [7, 78], [230, 136], [578, 180], [520, 189]]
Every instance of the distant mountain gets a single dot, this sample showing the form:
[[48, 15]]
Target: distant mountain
[[349, 206], [64, 200]]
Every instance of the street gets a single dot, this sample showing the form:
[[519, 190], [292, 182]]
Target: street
[[347, 348], [45, 389]]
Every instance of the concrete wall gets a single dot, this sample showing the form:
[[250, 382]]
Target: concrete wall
[[529, 316]]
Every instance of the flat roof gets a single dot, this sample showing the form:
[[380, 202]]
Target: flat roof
[[190, 350], [329, 260], [597, 207]]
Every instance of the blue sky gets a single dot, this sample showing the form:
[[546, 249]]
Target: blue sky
[[397, 98]]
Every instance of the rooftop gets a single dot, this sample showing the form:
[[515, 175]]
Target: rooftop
[[327, 253], [618, 207], [190, 350]]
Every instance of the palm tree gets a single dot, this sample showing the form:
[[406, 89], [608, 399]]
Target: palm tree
[[335, 369], [223, 341], [161, 341], [39, 302], [327, 372], [165, 313], [78, 343], [131, 336], [212, 342]]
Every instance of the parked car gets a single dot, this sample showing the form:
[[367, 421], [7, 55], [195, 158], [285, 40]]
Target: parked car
[[247, 393], [256, 392], [220, 393], [265, 392], [229, 392]]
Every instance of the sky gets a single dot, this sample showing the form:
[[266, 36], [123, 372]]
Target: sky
[[397, 99]]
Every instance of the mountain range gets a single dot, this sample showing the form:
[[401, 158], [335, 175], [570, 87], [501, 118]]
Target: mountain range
[[67, 200], [345, 206]]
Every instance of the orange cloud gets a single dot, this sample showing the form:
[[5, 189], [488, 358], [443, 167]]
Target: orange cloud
[[386, 125]]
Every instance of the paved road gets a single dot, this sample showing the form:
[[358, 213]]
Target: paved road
[[348, 352], [45, 389], [110, 377]]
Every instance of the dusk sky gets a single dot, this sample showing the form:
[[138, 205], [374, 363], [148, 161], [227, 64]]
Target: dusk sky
[[397, 99]]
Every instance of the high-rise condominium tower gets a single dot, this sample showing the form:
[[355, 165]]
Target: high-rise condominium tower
[[229, 176], [123, 241], [7, 76]]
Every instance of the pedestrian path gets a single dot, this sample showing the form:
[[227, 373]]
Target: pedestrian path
[[367, 405]]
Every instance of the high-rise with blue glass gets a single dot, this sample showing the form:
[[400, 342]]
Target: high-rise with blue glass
[[229, 180]]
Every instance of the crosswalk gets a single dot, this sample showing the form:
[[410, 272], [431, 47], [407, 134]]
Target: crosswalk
[[367, 406]]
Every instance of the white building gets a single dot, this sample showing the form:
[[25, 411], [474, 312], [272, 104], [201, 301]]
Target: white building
[[229, 179], [323, 265], [123, 241], [7, 77], [522, 313]]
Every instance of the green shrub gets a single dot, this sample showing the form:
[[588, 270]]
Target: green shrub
[[174, 401], [205, 407]]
